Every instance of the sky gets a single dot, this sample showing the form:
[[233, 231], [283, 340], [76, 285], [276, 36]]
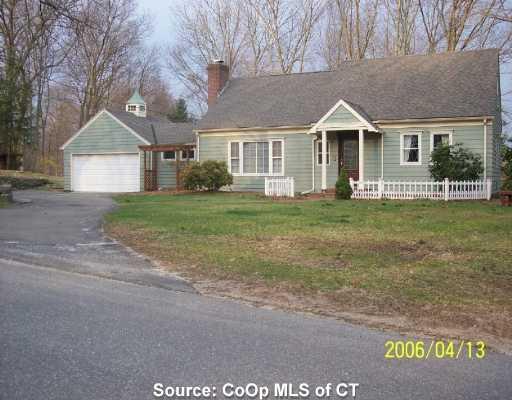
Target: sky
[[163, 33]]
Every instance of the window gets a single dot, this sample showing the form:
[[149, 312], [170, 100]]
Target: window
[[319, 154], [132, 107], [169, 156], [440, 138], [142, 108], [277, 157], [188, 154], [256, 158], [410, 149], [234, 157]]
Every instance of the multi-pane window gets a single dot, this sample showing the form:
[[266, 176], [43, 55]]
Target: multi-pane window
[[169, 155], [132, 107], [320, 155], [187, 154], [410, 149], [440, 139], [256, 158]]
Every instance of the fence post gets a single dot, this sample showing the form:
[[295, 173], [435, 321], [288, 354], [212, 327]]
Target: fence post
[[292, 186], [446, 189], [489, 189], [381, 188]]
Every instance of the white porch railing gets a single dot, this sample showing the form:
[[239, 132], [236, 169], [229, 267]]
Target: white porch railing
[[278, 186], [408, 190]]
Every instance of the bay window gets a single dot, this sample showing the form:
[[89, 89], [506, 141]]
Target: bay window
[[256, 158]]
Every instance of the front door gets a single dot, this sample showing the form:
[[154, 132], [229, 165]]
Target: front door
[[349, 156]]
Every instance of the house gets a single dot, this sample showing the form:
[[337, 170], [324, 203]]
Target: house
[[377, 118], [127, 151]]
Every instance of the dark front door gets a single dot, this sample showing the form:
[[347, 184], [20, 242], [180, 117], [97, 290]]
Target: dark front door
[[349, 156]]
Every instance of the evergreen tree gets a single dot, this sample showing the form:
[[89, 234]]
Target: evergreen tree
[[180, 112]]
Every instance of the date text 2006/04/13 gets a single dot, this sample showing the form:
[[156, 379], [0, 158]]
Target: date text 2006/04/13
[[440, 349]]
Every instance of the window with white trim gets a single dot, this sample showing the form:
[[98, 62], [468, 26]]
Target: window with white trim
[[440, 138], [132, 107], [188, 154], [256, 158], [169, 155], [410, 148], [319, 153], [234, 157], [142, 108]]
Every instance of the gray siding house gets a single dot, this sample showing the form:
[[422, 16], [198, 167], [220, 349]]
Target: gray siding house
[[127, 151], [376, 118]]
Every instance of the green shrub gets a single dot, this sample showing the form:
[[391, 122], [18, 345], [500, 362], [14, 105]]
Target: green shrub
[[507, 168], [343, 189], [210, 175], [21, 183], [455, 163], [193, 177]]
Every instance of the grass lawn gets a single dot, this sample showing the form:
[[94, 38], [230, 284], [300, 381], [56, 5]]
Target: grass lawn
[[435, 263], [30, 180]]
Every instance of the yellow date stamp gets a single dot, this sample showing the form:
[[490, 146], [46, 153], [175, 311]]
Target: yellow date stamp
[[434, 349]]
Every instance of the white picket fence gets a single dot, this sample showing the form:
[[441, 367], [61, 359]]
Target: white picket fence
[[279, 186], [409, 190]]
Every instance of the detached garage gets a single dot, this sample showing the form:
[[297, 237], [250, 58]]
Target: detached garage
[[105, 154]]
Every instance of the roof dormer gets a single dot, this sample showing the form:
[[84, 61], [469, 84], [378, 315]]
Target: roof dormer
[[136, 105]]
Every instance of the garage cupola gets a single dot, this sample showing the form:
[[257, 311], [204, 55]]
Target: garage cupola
[[136, 105]]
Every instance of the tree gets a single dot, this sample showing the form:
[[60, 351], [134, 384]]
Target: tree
[[179, 112], [343, 188], [506, 157], [349, 30], [103, 50], [455, 163]]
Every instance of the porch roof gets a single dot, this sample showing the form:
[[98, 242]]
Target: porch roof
[[359, 120]]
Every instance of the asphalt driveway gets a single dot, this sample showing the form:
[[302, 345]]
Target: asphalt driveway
[[63, 231]]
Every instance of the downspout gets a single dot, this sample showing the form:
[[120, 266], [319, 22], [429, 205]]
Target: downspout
[[485, 149], [312, 167], [197, 146]]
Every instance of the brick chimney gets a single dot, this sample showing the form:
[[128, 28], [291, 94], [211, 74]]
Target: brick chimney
[[218, 75]]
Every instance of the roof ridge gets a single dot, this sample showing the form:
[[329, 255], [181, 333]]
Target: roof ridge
[[366, 61]]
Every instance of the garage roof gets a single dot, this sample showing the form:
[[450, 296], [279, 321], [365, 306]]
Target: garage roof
[[166, 132]]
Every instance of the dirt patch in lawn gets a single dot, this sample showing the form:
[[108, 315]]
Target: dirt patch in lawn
[[356, 302]]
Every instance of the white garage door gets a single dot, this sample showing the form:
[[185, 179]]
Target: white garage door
[[105, 173]]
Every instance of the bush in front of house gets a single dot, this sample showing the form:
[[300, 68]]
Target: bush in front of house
[[343, 188], [507, 168], [455, 163], [210, 175], [192, 176], [22, 183]]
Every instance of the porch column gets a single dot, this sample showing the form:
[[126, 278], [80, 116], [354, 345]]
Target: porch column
[[324, 161], [361, 154]]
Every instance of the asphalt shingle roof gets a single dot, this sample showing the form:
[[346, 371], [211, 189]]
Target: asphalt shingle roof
[[166, 132], [462, 84]]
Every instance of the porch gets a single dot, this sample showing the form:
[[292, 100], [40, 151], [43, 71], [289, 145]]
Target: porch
[[346, 128], [156, 167]]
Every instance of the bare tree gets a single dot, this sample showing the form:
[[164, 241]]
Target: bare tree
[[349, 30], [207, 30], [402, 15], [102, 51], [290, 26]]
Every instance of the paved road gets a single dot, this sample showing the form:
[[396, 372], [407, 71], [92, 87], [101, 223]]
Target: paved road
[[63, 231], [68, 335]]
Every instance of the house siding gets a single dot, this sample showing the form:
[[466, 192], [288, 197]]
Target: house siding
[[297, 157], [104, 135], [298, 154], [470, 136], [341, 116]]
